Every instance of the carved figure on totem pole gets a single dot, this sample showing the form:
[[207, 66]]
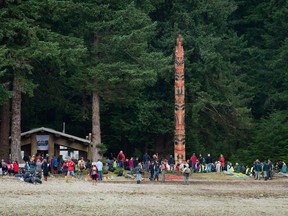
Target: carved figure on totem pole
[[179, 89], [180, 114], [179, 139]]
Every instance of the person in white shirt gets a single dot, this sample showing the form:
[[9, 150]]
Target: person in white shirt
[[99, 165]]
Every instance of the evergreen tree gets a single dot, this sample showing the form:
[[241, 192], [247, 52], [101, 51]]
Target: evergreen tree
[[216, 112], [263, 25], [29, 46], [120, 65]]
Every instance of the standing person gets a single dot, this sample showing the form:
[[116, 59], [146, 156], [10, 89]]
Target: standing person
[[94, 173], [38, 167], [99, 166], [270, 169], [201, 159], [200, 166], [155, 157], [258, 169], [222, 162], [171, 163], [131, 165], [208, 162], [194, 162], [138, 170], [151, 169], [70, 172], [265, 170], [156, 171], [64, 167], [121, 159], [10, 168], [163, 169], [114, 165], [218, 166], [26, 158], [55, 165], [45, 169], [88, 164], [16, 167], [186, 173], [81, 167], [146, 159], [60, 163], [284, 167], [135, 162], [126, 164]]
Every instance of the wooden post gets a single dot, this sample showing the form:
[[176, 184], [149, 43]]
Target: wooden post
[[51, 151], [56, 149], [179, 138], [33, 144]]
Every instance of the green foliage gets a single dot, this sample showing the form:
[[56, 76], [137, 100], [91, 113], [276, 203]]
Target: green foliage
[[269, 140], [235, 72], [102, 149], [118, 170]]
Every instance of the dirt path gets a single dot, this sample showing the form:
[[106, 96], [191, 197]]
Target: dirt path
[[201, 197]]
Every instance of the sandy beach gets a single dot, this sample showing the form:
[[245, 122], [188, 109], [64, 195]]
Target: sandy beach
[[125, 197]]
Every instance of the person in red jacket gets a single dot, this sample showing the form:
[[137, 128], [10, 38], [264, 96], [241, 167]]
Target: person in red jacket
[[70, 165], [194, 162], [16, 167], [222, 162], [131, 166], [121, 159]]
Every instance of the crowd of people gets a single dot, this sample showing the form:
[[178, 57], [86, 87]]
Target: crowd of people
[[39, 167], [159, 167]]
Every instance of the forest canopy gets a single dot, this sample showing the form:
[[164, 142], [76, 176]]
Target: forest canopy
[[236, 75]]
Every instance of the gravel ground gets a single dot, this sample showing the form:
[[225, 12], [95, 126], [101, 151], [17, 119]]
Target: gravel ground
[[118, 197]]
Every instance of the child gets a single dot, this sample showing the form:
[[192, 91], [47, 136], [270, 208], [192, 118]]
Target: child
[[138, 170], [94, 174], [186, 173]]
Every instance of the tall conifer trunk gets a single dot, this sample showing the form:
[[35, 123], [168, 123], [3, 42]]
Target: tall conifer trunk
[[4, 131], [96, 131], [16, 122]]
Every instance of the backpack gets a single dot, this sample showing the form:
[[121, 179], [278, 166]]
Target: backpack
[[187, 170], [55, 162], [120, 157]]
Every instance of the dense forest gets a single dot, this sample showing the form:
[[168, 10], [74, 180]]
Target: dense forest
[[107, 67]]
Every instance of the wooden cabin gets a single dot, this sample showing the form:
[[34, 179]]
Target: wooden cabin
[[54, 143]]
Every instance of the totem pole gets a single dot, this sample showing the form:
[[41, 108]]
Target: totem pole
[[179, 139]]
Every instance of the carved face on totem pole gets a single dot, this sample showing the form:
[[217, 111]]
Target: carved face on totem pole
[[179, 116], [179, 58], [179, 85], [179, 143]]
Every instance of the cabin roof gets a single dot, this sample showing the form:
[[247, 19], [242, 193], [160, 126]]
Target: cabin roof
[[43, 129]]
